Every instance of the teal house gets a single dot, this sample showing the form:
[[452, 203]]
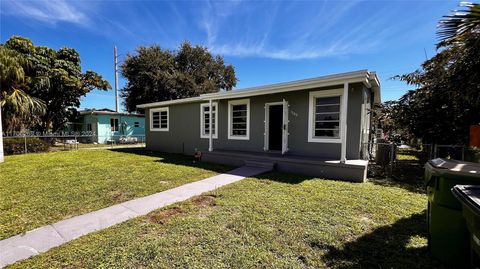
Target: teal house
[[107, 126]]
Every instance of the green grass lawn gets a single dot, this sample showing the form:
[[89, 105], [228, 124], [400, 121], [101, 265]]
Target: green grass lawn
[[273, 221], [39, 189]]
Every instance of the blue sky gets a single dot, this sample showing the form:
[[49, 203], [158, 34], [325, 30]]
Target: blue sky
[[266, 41]]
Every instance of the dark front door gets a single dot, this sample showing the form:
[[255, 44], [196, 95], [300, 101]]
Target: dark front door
[[275, 125]]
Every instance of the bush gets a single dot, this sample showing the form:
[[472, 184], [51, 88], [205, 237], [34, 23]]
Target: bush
[[472, 155], [17, 145]]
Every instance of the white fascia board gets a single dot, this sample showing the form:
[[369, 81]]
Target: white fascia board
[[352, 77], [362, 76], [171, 102]]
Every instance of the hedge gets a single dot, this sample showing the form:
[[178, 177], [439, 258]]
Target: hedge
[[17, 145]]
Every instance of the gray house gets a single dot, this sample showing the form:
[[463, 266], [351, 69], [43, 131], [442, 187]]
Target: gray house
[[316, 127]]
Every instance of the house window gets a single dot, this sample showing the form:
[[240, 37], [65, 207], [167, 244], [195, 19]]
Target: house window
[[136, 124], [205, 120], [159, 119], [239, 119], [114, 125], [89, 127], [324, 116]]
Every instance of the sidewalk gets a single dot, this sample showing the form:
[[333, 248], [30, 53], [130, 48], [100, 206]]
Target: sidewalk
[[20, 247]]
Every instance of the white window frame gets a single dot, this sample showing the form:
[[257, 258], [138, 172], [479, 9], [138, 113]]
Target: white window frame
[[151, 119], [115, 127], [202, 121], [230, 120], [311, 116]]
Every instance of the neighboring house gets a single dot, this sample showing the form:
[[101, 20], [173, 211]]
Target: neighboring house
[[317, 127], [107, 125]]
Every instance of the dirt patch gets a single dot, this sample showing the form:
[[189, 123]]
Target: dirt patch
[[161, 217], [119, 196], [205, 200]]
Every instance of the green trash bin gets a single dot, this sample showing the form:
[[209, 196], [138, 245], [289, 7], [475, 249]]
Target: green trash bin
[[448, 234], [469, 197]]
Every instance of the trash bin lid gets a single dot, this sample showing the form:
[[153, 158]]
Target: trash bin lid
[[469, 195], [456, 167]]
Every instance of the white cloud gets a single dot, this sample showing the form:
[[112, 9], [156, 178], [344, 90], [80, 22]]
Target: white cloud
[[49, 11], [299, 38]]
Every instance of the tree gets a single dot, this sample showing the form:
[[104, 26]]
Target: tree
[[155, 74], [55, 77], [15, 99], [447, 99], [452, 28]]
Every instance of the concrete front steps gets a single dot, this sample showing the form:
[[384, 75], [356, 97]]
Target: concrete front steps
[[351, 170]]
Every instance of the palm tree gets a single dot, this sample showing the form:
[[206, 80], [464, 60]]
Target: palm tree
[[17, 105], [453, 28]]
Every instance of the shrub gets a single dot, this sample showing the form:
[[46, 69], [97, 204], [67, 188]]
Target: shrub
[[472, 155], [17, 145]]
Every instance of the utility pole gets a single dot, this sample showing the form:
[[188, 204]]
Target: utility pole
[[116, 77]]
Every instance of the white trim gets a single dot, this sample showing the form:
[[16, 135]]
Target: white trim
[[267, 124], [343, 123], [361, 76], [115, 127], [172, 102], [202, 126], [238, 102], [285, 127], [160, 109], [311, 115], [210, 137]]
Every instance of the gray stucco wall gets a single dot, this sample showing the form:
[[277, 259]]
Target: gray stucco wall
[[183, 135], [184, 127]]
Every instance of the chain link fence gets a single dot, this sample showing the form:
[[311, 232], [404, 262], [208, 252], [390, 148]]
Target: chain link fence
[[31, 142], [402, 161]]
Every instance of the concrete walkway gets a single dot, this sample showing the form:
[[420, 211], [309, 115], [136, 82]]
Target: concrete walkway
[[20, 247]]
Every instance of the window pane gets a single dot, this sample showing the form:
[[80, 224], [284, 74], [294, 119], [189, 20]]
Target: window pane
[[206, 119], [239, 132], [114, 125], [160, 119], [327, 133], [156, 120], [328, 108], [327, 125], [328, 100], [329, 116], [239, 125], [239, 114], [239, 107], [239, 119]]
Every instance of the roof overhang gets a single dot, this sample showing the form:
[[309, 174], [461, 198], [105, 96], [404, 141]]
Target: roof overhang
[[94, 112], [369, 79]]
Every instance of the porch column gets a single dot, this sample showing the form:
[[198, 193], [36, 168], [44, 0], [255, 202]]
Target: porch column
[[343, 123], [210, 133]]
